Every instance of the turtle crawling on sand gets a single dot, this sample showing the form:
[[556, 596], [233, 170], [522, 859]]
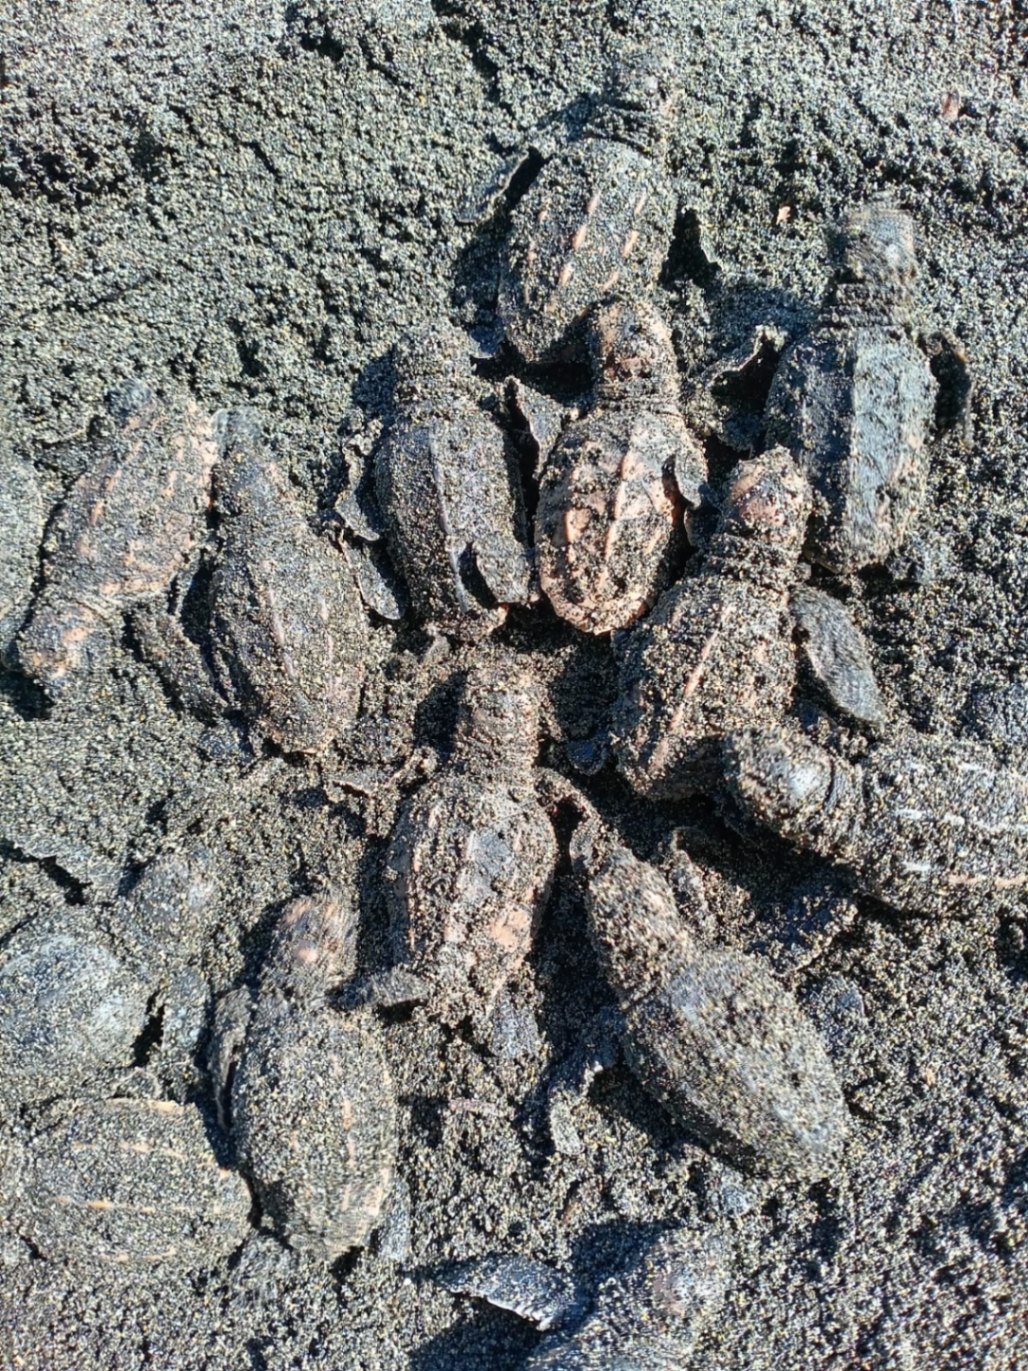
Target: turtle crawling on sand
[[77, 988], [125, 529], [647, 1317], [717, 652], [854, 400], [707, 1030], [310, 1100], [617, 489], [471, 859], [928, 825], [448, 492], [599, 216]]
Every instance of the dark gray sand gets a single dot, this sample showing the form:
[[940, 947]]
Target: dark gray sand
[[254, 200]]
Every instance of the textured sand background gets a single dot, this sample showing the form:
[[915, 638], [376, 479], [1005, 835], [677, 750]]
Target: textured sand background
[[254, 200]]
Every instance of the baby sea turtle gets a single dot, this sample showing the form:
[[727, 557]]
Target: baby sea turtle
[[77, 990], [854, 399], [717, 652], [21, 532], [125, 1182], [125, 529], [609, 520], [313, 1111], [707, 1030], [288, 635], [70, 1008], [449, 493], [471, 859], [927, 825], [647, 1317], [599, 217]]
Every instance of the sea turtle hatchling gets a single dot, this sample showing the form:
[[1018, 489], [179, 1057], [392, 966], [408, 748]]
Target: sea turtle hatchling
[[717, 652], [311, 1100], [608, 526], [471, 859], [927, 825], [126, 527], [288, 635], [78, 987], [647, 1317], [133, 1183], [599, 217], [448, 492], [707, 1030], [854, 399]]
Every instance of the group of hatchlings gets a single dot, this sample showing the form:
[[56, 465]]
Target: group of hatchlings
[[708, 671]]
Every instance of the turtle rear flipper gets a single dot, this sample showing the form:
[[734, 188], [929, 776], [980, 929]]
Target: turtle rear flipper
[[835, 651]]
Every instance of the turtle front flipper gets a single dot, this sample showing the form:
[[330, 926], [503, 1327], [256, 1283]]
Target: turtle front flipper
[[836, 652], [533, 1290], [599, 1052]]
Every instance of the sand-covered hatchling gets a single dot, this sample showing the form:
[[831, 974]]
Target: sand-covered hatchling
[[928, 825], [288, 631], [311, 1100], [621, 480], [471, 858], [125, 529], [707, 1030], [449, 492], [287, 634], [133, 1183], [717, 652], [71, 1008], [647, 1317], [78, 987], [600, 215], [854, 400]]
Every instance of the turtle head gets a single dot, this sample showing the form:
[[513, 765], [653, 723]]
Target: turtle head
[[645, 78], [632, 350], [246, 479], [873, 246], [634, 921], [500, 712], [764, 518], [642, 91], [429, 358]]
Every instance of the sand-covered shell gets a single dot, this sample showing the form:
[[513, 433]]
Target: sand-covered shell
[[449, 491], [288, 630], [70, 1007], [472, 855], [598, 218], [854, 400], [312, 1100], [717, 651], [130, 1183], [708, 1030], [928, 825], [125, 529], [615, 487]]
